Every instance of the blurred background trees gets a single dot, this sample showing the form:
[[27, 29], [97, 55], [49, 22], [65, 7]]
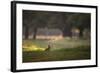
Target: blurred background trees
[[68, 22]]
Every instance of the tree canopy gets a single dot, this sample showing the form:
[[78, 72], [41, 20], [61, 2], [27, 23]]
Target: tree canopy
[[61, 20]]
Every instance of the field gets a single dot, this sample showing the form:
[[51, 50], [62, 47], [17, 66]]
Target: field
[[64, 49]]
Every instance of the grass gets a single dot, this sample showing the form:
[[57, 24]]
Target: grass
[[58, 55], [56, 44], [61, 50]]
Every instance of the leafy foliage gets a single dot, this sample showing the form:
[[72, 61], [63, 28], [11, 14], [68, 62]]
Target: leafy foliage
[[62, 20]]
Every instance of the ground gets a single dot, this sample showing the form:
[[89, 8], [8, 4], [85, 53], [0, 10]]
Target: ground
[[64, 49]]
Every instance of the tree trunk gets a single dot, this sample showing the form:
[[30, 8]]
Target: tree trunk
[[66, 26], [81, 33], [35, 32], [26, 32], [67, 31]]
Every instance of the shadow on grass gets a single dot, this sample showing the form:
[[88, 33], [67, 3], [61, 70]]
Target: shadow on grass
[[79, 53]]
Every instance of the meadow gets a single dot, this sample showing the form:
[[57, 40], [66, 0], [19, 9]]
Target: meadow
[[60, 50]]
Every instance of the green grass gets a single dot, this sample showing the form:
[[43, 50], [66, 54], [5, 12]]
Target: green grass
[[58, 44], [65, 49], [78, 53]]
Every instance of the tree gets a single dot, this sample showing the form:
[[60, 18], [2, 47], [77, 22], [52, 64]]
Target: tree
[[65, 21], [34, 20], [80, 21]]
